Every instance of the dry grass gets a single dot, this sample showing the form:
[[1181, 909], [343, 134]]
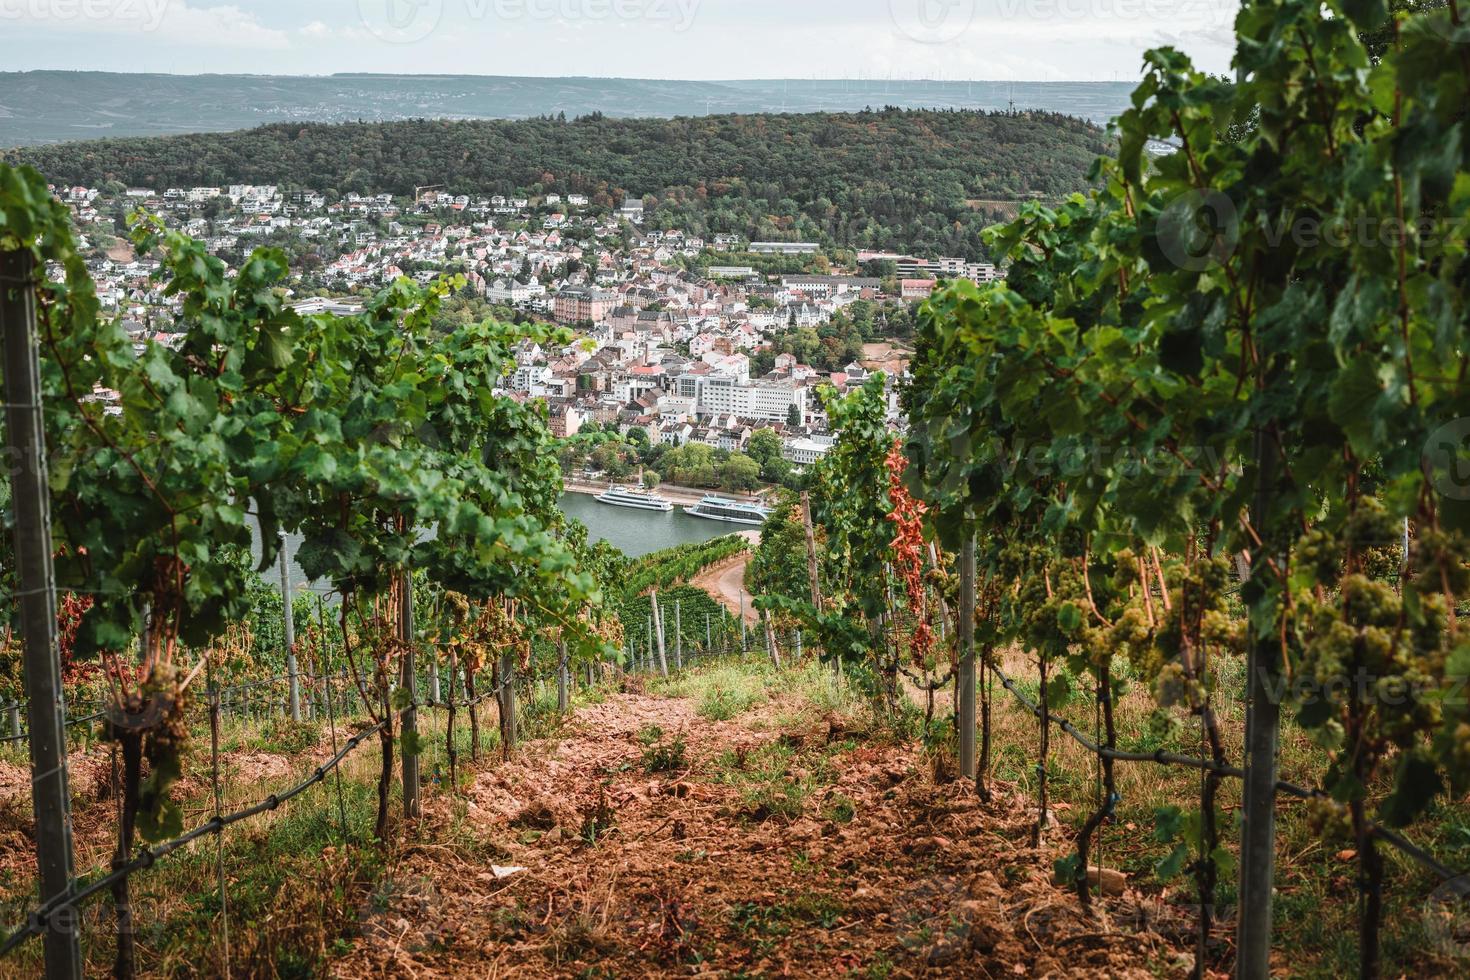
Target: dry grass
[[1316, 894]]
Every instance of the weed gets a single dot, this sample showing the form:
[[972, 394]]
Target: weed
[[660, 755], [841, 809], [597, 820], [723, 703]]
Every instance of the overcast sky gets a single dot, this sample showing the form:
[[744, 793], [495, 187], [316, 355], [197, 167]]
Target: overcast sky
[[697, 39]]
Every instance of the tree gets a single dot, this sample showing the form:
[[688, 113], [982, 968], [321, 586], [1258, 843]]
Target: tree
[[793, 416], [740, 472], [779, 470], [764, 446], [779, 566]]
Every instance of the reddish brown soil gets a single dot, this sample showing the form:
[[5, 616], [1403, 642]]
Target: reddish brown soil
[[692, 880]]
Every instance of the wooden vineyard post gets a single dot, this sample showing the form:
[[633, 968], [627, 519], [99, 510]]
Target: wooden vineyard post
[[771, 648], [506, 680], [678, 637], [563, 677], [293, 677], [658, 627], [1262, 727], [25, 443], [965, 678], [811, 550], [409, 717], [744, 647]]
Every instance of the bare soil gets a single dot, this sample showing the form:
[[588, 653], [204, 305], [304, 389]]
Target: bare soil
[[878, 870]]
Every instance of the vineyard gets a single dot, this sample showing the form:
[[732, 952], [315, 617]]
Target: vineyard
[[1136, 651]]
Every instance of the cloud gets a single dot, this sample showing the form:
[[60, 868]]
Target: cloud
[[227, 26], [998, 39], [173, 21]]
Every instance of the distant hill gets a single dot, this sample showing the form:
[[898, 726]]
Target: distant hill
[[912, 180], [54, 106]]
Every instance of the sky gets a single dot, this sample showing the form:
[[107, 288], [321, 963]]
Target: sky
[[1091, 40]]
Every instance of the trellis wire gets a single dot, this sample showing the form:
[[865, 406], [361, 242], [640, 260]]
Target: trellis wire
[[37, 919], [1160, 757]]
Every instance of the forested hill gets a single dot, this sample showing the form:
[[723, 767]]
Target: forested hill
[[56, 106], [892, 178]]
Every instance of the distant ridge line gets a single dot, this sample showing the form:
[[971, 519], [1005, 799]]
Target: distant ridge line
[[42, 107]]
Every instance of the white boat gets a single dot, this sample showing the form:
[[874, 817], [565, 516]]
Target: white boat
[[714, 508], [637, 499]]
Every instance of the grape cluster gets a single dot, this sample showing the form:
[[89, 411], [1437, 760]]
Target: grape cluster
[[1328, 819]]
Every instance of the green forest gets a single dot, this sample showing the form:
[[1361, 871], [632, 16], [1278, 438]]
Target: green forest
[[922, 181]]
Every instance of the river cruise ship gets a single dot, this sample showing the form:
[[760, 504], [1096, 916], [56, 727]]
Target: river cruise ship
[[637, 499], [730, 511]]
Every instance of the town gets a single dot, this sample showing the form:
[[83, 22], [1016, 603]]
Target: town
[[686, 348]]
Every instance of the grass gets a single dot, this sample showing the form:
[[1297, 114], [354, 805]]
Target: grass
[[775, 780], [723, 691], [767, 923], [296, 932]]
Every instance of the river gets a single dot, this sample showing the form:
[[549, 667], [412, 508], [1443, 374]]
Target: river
[[634, 532], [637, 532]]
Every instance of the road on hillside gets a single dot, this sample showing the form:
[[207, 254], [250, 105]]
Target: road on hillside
[[725, 581]]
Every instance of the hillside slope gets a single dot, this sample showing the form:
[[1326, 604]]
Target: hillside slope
[[918, 180], [54, 106]]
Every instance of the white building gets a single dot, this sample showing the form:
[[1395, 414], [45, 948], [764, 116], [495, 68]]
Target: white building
[[784, 248], [766, 401], [804, 452], [513, 292]]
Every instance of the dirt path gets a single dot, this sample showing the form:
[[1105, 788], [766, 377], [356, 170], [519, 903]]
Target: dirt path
[[725, 581], [783, 844]]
